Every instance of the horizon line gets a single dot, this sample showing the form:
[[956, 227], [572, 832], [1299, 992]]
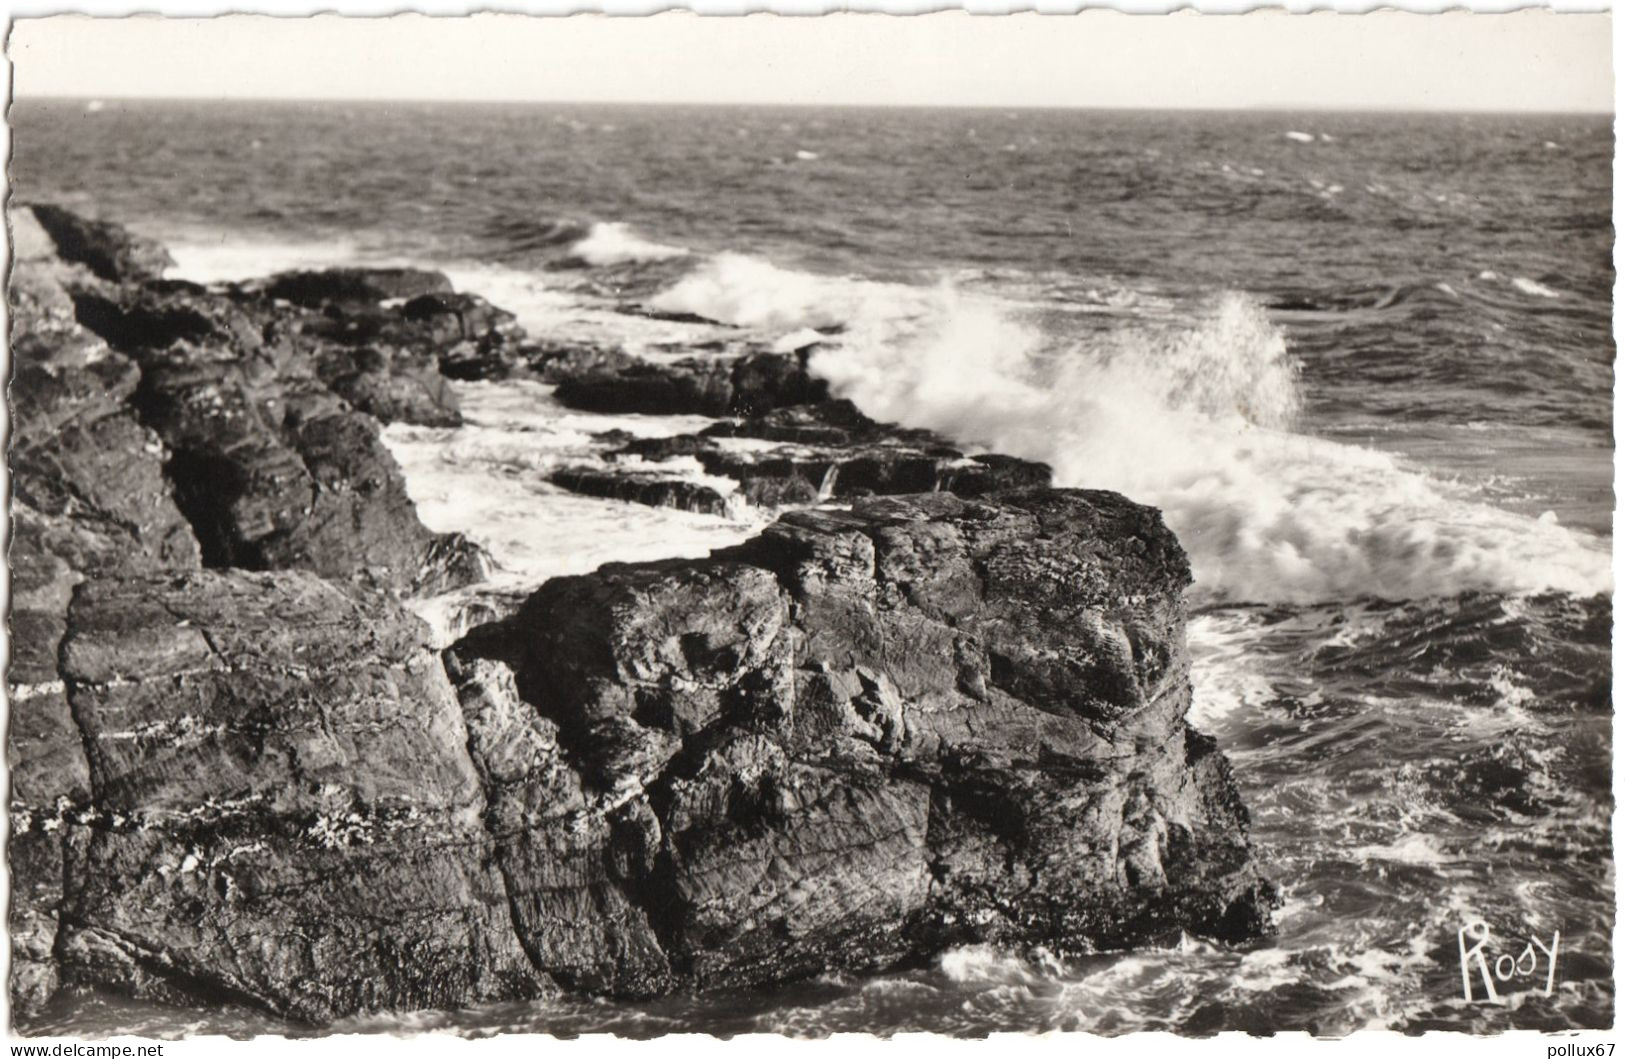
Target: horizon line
[[1300, 108]]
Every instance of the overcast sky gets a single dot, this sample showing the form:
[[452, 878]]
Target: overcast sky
[[1526, 61]]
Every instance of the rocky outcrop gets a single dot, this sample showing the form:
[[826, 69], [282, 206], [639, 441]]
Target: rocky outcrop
[[111, 251], [823, 451], [857, 739], [241, 772], [89, 498], [354, 286], [709, 386], [638, 486], [561, 363], [82, 464], [174, 431], [388, 338], [273, 469], [284, 812]]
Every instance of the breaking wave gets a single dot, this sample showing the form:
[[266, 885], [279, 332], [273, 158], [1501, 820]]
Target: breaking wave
[[1198, 422], [748, 291], [613, 243]]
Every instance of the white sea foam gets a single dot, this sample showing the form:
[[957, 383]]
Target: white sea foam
[[1226, 684], [794, 340], [1265, 969], [1539, 290], [749, 291], [1300, 137], [561, 315], [232, 260], [1414, 849], [488, 479], [985, 965], [612, 243], [1198, 423]]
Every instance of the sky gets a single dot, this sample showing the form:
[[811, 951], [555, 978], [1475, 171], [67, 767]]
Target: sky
[[1532, 60]]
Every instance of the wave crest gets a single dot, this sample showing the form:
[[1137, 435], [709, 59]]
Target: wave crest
[[614, 243], [748, 291], [1197, 422]]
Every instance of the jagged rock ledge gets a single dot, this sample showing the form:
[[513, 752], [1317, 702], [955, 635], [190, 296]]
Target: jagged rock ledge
[[240, 772], [856, 740]]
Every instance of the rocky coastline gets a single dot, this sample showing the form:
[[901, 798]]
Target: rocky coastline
[[936, 702]]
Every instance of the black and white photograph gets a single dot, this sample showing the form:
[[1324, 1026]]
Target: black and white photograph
[[1081, 524]]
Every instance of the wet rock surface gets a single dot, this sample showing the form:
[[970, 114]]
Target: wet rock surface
[[111, 251], [642, 486], [284, 811], [855, 740], [794, 456], [271, 465], [241, 772], [711, 386], [158, 428]]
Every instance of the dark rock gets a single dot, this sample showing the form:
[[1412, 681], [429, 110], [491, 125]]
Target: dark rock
[[150, 321], [346, 285], [834, 422], [109, 250], [779, 492], [684, 388], [50, 777], [438, 333], [217, 419], [79, 456], [44, 326], [855, 740], [675, 446], [285, 811], [558, 843], [486, 358], [388, 387], [450, 562], [89, 498], [858, 739], [557, 364], [358, 516], [747, 385], [473, 338], [831, 450], [652, 489], [765, 381], [451, 317], [272, 469]]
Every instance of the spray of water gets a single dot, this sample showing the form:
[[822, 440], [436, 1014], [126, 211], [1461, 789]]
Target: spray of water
[[1199, 422]]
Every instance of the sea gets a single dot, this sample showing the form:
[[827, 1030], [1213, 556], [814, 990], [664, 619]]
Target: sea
[[1362, 362]]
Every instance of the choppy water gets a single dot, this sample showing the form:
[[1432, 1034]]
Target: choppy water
[[1362, 362]]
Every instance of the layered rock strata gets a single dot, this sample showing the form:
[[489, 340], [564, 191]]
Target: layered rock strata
[[241, 773]]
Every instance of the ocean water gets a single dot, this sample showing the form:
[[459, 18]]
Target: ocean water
[[1362, 362]]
